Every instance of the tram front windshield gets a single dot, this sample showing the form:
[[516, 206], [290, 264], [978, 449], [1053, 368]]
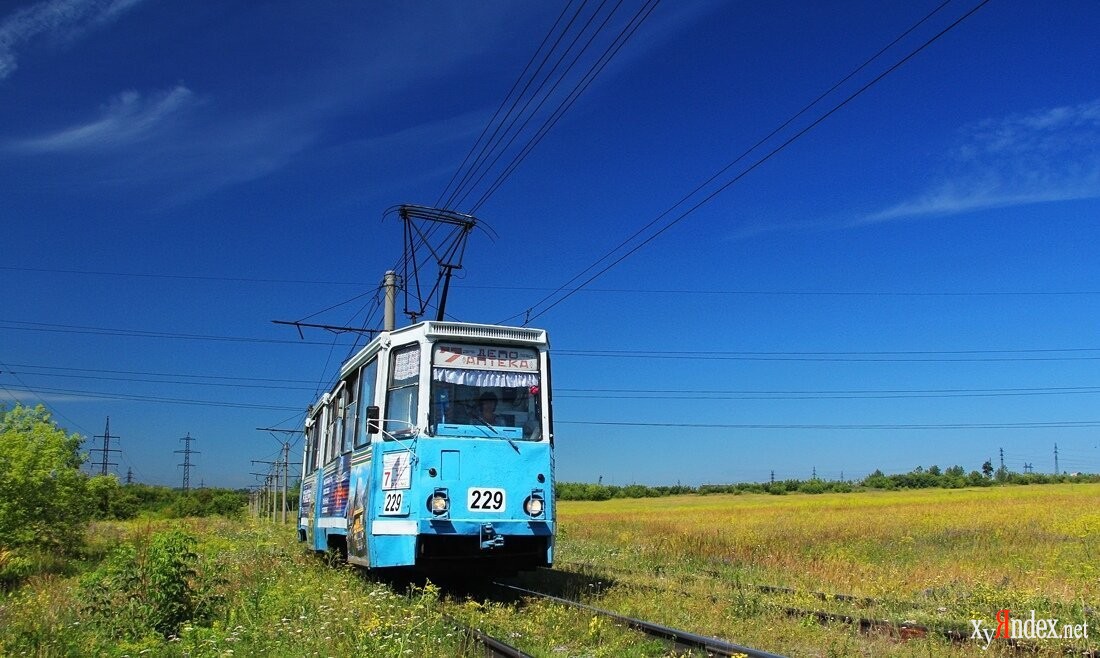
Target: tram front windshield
[[500, 400]]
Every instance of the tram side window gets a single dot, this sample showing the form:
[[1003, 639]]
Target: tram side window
[[404, 388], [350, 410], [314, 445], [332, 439], [367, 378]]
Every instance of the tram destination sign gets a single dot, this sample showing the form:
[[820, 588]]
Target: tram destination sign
[[509, 359]]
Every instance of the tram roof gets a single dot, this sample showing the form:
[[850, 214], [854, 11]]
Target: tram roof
[[456, 331]]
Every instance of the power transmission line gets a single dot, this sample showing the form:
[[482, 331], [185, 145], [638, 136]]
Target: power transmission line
[[823, 395], [639, 291], [112, 331], [193, 277], [1067, 424], [339, 304], [751, 167], [514, 122], [613, 49], [504, 101], [802, 293], [39, 326], [167, 381], [492, 146], [643, 394], [155, 374], [145, 398], [568, 101], [1038, 390], [33, 392], [848, 357]]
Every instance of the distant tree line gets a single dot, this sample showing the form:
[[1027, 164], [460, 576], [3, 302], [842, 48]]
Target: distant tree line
[[111, 500], [954, 477]]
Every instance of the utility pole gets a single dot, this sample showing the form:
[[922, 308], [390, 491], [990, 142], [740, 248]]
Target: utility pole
[[286, 474], [187, 452], [262, 494], [284, 460], [773, 476], [129, 476], [271, 484], [814, 476], [106, 449], [389, 283], [1056, 459], [1002, 460]]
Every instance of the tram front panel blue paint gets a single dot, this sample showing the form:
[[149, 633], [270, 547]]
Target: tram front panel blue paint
[[487, 482]]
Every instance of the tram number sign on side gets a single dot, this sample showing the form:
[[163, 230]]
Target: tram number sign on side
[[485, 499], [392, 503]]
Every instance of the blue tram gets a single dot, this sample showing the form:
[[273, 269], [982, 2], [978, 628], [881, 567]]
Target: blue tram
[[434, 450]]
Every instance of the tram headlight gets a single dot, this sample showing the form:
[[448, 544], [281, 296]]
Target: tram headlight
[[439, 502], [534, 505]]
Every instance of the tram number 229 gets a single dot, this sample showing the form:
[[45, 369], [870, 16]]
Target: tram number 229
[[392, 504], [483, 499]]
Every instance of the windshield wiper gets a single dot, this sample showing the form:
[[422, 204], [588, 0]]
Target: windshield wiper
[[482, 422]]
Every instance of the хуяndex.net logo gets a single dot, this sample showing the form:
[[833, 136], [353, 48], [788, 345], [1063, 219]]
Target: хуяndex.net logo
[[1031, 627]]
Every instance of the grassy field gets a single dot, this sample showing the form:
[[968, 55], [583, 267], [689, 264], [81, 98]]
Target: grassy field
[[935, 557], [251, 591], [213, 587]]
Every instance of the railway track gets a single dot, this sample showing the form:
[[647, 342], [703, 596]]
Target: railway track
[[900, 630], [687, 642], [865, 601], [494, 647], [680, 640]]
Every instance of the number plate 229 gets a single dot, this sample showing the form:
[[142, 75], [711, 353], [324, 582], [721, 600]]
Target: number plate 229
[[484, 499], [391, 505]]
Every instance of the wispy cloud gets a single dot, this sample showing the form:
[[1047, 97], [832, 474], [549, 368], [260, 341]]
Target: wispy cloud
[[172, 136], [62, 20], [32, 398], [127, 118], [1048, 155], [188, 141]]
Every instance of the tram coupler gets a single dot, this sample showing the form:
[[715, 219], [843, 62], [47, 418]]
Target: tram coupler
[[489, 537]]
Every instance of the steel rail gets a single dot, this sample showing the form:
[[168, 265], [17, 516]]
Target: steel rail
[[494, 648], [680, 639], [905, 630], [767, 589], [902, 630]]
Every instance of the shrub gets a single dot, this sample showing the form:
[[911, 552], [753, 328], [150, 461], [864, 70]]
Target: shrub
[[140, 590], [43, 507]]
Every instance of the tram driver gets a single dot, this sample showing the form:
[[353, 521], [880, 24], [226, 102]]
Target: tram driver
[[487, 409]]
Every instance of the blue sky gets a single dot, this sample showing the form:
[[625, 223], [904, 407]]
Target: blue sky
[[912, 281]]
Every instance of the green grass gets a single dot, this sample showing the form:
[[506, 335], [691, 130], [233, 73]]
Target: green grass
[[274, 600], [934, 557]]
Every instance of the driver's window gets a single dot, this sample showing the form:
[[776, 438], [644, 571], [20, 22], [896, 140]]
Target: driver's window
[[403, 390]]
